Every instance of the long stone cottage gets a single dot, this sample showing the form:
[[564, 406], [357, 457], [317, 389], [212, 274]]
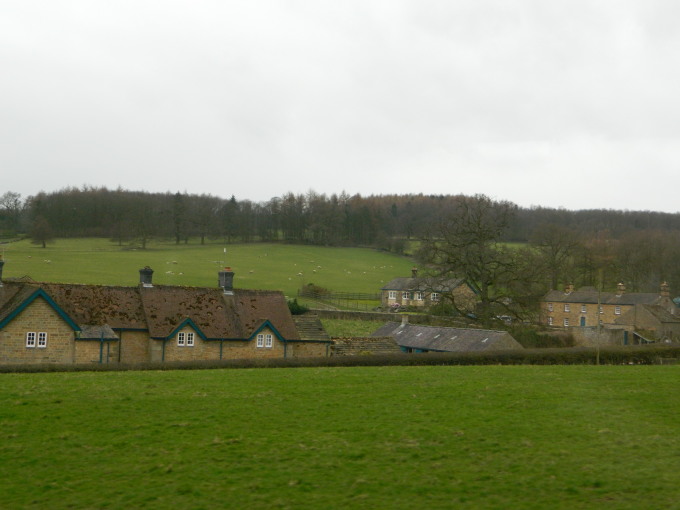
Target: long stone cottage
[[73, 323]]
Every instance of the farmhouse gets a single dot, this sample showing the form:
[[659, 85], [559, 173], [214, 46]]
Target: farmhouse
[[421, 291], [69, 323], [416, 338], [587, 306]]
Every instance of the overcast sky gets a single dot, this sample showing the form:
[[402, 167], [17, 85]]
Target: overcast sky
[[571, 104]]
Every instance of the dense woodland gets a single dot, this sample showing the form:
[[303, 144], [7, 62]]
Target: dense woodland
[[640, 248]]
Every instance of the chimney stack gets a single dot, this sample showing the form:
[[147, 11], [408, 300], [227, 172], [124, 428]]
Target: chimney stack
[[404, 320], [226, 281], [665, 290], [145, 277], [414, 272], [620, 289], [569, 288]]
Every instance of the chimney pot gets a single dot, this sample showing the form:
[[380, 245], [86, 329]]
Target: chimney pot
[[414, 272], [146, 277], [226, 281]]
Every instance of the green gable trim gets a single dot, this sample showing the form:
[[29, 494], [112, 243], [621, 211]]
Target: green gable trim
[[267, 324], [183, 324], [40, 293]]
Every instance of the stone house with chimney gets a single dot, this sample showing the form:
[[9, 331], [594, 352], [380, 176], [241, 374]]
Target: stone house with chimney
[[425, 292], [619, 310], [71, 323]]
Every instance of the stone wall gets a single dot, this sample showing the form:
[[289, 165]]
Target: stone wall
[[37, 317], [135, 347], [89, 351], [589, 337], [307, 350]]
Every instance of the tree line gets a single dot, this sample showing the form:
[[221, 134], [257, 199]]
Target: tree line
[[639, 248]]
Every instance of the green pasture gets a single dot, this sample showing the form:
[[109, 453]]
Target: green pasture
[[565, 437], [257, 265]]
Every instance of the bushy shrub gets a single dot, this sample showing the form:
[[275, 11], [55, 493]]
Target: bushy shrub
[[296, 308]]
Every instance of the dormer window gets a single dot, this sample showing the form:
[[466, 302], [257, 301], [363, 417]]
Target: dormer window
[[185, 339], [266, 341]]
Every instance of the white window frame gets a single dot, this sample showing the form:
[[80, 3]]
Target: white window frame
[[584, 309], [566, 322], [181, 339], [30, 339], [190, 339], [434, 296], [550, 307], [617, 310], [268, 341], [601, 309], [42, 340], [391, 294], [260, 340], [550, 321], [418, 296], [567, 308], [406, 295]]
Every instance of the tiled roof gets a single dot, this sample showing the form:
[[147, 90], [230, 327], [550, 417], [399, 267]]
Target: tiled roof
[[161, 309], [447, 339], [606, 298], [422, 283]]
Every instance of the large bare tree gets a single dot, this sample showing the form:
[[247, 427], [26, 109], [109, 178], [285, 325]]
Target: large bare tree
[[466, 243]]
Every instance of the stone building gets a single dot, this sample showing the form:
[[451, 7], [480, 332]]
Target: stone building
[[587, 306], [418, 291], [69, 323], [414, 338]]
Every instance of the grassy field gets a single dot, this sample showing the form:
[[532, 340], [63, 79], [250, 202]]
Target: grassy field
[[257, 266], [400, 437]]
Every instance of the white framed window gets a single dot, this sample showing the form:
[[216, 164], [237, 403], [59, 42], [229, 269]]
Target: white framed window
[[268, 341], [30, 339], [260, 340], [584, 308], [434, 296], [392, 294], [550, 321], [406, 296], [566, 307], [181, 339], [550, 307], [42, 340], [601, 310], [190, 339], [419, 296], [566, 322], [617, 310]]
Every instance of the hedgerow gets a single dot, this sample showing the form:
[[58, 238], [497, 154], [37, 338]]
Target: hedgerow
[[629, 355]]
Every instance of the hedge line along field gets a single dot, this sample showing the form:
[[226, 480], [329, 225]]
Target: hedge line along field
[[268, 266], [391, 437]]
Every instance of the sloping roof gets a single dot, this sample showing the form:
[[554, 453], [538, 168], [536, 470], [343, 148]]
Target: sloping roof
[[423, 283], [160, 309], [590, 296], [657, 312], [97, 333], [444, 339]]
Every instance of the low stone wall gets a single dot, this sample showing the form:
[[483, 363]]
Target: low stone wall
[[589, 337], [430, 320]]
